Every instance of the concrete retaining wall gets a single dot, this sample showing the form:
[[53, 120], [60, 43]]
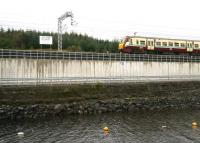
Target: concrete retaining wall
[[42, 69]]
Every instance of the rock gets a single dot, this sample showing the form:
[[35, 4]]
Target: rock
[[80, 112], [131, 108], [34, 106], [97, 105], [59, 108], [85, 112], [103, 109], [20, 108], [2, 111]]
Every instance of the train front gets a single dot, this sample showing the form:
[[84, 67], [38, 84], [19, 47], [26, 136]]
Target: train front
[[122, 45]]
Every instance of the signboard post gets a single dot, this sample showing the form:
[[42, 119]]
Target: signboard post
[[46, 40]]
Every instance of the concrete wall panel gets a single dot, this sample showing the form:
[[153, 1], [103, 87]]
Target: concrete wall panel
[[42, 69]]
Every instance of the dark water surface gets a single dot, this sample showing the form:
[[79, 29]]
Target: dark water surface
[[157, 127]]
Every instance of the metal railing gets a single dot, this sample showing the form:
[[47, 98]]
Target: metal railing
[[36, 54]]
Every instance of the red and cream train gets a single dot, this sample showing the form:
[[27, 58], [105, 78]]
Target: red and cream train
[[139, 44]]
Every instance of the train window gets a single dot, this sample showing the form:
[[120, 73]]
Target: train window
[[196, 45], [158, 43], [164, 43], [190, 45], [176, 44], [171, 44], [151, 43], [182, 45], [142, 42], [137, 42]]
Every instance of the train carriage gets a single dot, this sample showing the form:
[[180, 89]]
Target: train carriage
[[139, 44], [196, 48]]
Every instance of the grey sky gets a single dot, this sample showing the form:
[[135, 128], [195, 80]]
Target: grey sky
[[107, 19]]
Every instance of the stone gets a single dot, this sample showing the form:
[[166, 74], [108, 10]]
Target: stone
[[59, 108]]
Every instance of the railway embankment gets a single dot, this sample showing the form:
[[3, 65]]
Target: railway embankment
[[63, 100]]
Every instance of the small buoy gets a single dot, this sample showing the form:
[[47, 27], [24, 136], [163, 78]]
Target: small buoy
[[194, 123], [105, 129], [20, 133], [164, 126]]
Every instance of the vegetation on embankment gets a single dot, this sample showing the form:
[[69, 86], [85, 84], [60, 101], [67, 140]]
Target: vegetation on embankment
[[20, 39]]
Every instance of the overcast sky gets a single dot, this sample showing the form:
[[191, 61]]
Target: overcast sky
[[107, 19]]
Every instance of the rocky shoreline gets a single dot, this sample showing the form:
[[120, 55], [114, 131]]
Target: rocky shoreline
[[43, 101], [93, 107]]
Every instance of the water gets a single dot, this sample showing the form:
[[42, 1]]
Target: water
[[157, 127]]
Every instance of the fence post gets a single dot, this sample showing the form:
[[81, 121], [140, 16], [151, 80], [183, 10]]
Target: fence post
[[9, 53], [16, 53], [74, 55], [139, 56], [1, 53]]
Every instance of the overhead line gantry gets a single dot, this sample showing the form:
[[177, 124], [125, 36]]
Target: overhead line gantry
[[60, 28]]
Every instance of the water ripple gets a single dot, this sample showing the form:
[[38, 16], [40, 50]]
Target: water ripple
[[137, 127]]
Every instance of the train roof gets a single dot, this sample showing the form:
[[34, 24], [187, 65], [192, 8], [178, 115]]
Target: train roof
[[164, 38]]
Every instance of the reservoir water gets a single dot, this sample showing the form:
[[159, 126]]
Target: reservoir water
[[173, 126]]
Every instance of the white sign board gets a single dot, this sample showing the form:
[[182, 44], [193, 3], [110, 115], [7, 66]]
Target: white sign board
[[46, 40]]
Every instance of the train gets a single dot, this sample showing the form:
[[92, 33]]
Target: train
[[140, 44]]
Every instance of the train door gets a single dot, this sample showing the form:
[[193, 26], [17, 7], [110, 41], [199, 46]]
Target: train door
[[190, 46], [150, 44]]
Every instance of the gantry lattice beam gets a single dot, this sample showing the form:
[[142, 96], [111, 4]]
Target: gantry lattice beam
[[60, 28]]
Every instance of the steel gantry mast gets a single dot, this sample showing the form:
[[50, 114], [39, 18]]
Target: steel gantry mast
[[60, 30]]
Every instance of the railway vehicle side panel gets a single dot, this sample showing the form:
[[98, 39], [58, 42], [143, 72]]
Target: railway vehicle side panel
[[139, 44], [190, 45], [150, 44], [196, 48], [161, 45], [179, 46], [134, 45]]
